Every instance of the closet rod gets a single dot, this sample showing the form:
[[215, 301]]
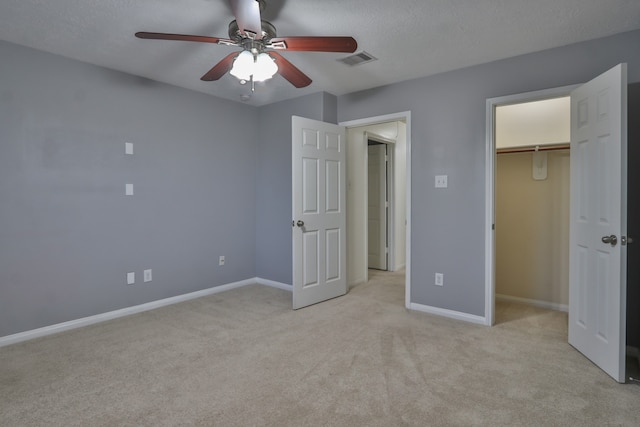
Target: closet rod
[[533, 149]]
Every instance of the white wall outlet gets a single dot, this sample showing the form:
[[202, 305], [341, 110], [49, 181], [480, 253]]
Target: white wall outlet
[[128, 148], [128, 189], [147, 275], [131, 278], [441, 181], [221, 260], [439, 279]]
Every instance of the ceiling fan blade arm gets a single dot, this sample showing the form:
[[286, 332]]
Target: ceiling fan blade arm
[[220, 69], [184, 37], [247, 13], [315, 44], [290, 72]]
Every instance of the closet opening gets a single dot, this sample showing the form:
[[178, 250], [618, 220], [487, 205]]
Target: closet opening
[[532, 196]]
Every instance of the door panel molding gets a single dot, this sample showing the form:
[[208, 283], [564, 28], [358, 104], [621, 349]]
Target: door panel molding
[[318, 211], [597, 289]]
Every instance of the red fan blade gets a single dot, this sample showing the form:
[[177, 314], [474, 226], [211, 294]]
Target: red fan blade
[[315, 44], [184, 37], [290, 71], [220, 69], [247, 13]]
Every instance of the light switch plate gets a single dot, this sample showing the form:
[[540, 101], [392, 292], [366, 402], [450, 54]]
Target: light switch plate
[[439, 279], [147, 275], [131, 278], [441, 181], [128, 148], [128, 190]]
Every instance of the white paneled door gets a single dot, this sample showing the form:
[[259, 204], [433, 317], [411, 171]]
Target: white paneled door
[[597, 278], [319, 216], [377, 207]]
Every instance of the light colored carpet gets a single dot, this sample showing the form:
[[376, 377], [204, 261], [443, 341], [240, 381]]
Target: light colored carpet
[[244, 358]]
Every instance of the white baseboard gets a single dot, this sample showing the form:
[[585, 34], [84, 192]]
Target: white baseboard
[[471, 318], [273, 284], [534, 302], [86, 321]]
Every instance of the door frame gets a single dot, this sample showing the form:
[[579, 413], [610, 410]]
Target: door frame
[[490, 208], [406, 117], [390, 182]]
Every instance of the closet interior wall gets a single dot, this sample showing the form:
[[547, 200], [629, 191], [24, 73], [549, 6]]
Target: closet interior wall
[[532, 229]]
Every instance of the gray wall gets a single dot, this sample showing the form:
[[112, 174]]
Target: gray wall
[[448, 137], [69, 235], [273, 180], [207, 183]]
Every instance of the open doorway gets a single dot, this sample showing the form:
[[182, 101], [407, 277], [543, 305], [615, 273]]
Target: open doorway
[[532, 192], [390, 236], [526, 144]]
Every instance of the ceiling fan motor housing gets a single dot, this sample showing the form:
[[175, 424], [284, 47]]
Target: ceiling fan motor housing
[[268, 31]]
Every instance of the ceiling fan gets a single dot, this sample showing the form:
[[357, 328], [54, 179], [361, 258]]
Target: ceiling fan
[[258, 60]]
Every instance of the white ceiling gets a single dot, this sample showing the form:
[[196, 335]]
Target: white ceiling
[[410, 38]]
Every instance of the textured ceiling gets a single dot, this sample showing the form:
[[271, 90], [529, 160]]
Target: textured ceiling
[[410, 38]]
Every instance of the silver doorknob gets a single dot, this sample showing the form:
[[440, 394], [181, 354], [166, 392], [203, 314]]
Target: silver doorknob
[[612, 240], [300, 223]]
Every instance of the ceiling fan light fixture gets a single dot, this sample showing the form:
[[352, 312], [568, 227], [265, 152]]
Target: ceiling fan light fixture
[[243, 66], [265, 68], [262, 67]]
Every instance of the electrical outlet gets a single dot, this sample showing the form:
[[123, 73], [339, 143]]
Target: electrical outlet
[[441, 181], [131, 278], [147, 275], [221, 260], [439, 279]]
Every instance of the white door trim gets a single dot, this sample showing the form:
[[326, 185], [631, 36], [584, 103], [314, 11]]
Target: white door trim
[[490, 156], [406, 116]]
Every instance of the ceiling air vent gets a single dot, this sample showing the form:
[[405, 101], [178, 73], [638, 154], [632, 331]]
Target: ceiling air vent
[[358, 58]]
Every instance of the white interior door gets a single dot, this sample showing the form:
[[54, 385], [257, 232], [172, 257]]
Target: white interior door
[[319, 216], [597, 277], [377, 207]]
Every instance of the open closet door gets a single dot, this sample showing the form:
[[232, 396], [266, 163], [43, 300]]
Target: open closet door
[[319, 215], [597, 277]]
